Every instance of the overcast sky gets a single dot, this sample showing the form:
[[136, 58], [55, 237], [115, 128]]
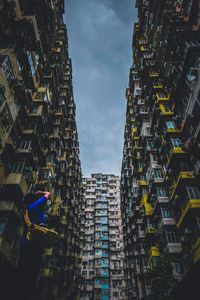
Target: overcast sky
[[100, 38]]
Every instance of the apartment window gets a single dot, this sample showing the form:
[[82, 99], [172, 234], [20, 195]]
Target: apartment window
[[104, 243], [193, 192], [50, 157], [171, 237], [166, 213], [30, 60], [158, 173], [153, 158], [7, 68], [18, 167], [148, 130], [170, 125], [105, 253], [45, 174], [167, 108], [104, 281], [105, 270], [104, 228], [150, 143], [3, 223], [135, 190], [178, 267], [161, 191], [144, 191], [34, 110], [143, 109], [25, 145], [176, 142], [142, 177], [138, 155], [105, 292]]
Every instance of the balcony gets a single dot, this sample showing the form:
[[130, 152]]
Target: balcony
[[196, 251], [89, 288], [168, 221], [150, 230], [143, 182], [171, 129], [154, 252], [162, 199], [190, 208], [158, 86], [175, 150], [153, 74], [162, 97], [157, 179], [9, 207], [16, 182], [166, 110], [26, 148], [147, 206], [46, 175], [184, 177], [174, 247], [134, 132], [36, 112], [97, 285]]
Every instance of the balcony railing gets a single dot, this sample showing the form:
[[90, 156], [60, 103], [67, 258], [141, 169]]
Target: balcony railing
[[191, 206], [196, 251], [150, 230], [166, 110], [147, 206], [9, 206], [153, 252], [15, 179], [162, 97], [184, 176], [143, 182], [174, 247]]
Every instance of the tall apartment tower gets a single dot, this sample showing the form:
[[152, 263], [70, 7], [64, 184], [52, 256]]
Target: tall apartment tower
[[39, 147], [102, 253], [160, 181]]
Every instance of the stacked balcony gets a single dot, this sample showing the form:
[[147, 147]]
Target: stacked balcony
[[38, 141], [102, 254], [160, 168]]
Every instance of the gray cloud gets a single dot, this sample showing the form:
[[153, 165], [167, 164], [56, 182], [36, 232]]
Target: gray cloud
[[100, 46]]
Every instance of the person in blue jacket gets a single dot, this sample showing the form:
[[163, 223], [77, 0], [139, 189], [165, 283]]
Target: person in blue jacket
[[34, 217], [36, 237], [35, 207]]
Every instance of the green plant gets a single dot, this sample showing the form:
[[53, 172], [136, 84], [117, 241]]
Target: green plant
[[163, 282]]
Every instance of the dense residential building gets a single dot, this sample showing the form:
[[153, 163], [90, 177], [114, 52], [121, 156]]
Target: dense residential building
[[39, 147], [102, 252], [160, 182]]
